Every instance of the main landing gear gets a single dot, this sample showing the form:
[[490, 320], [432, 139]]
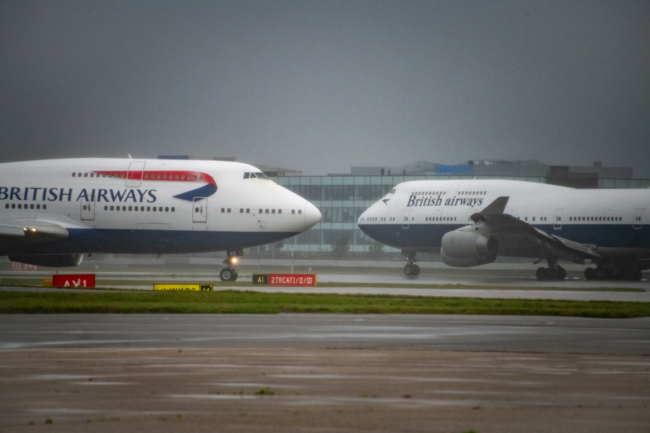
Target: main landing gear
[[553, 272], [229, 273], [629, 273], [411, 269]]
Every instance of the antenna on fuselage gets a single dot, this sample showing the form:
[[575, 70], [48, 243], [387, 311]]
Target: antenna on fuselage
[[130, 157]]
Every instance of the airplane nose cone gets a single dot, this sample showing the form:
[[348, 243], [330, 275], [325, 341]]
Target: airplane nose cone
[[312, 216]]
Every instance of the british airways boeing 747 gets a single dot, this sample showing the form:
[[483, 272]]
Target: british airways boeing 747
[[471, 222], [54, 211]]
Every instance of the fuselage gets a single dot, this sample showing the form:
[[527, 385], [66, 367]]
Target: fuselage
[[148, 206], [416, 215]]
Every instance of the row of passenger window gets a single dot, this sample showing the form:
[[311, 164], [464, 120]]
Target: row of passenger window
[[600, 218], [429, 193], [432, 219], [171, 177], [136, 208], [540, 218], [88, 175], [370, 219], [445, 193], [25, 206], [146, 176], [261, 211]]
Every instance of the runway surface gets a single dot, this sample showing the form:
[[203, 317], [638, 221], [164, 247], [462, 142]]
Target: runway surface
[[404, 332], [495, 281], [330, 373]]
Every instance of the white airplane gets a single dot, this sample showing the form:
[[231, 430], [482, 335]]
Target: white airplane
[[54, 211], [471, 222]]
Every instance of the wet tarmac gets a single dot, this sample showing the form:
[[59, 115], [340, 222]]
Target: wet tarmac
[[403, 332], [329, 373]]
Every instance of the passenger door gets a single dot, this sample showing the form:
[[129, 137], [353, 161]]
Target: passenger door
[[557, 220], [406, 215], [200, 210], [637, 222], [87, 210], [134, 175]]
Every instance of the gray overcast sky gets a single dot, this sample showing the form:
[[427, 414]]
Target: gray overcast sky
[[321, 86]]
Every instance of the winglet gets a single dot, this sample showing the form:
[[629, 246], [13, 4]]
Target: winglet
[[495, 208]]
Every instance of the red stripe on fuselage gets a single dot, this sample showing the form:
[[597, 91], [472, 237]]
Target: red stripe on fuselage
[[161, 176]]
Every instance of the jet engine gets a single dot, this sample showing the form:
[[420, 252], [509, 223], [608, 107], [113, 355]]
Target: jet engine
[[463, 249], [52, 261]]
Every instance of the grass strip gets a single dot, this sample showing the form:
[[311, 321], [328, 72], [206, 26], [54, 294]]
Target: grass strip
[[117, 283], [249, 302]]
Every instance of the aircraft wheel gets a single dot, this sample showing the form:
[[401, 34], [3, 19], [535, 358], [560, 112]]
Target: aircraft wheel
[[590, 274], [601, 274], [561, 273], [552, 274], [416, 270], [541, 274], [632, 274], [226, 274], [408, 269], [233, 275]]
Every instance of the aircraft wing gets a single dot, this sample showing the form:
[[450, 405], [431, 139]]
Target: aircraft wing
[[32, 230], [497, 222]]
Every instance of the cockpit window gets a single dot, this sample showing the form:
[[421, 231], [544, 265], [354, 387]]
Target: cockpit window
[[392, 191], [255, 175]]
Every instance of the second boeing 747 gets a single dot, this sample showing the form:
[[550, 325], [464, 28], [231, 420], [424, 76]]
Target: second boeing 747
[[471, 222]]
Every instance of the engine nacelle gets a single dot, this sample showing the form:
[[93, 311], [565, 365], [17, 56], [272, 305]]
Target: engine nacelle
[[52, 261], [463, 249]]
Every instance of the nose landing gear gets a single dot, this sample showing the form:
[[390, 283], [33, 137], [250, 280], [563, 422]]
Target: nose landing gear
[[229, 273], [411, 269]]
